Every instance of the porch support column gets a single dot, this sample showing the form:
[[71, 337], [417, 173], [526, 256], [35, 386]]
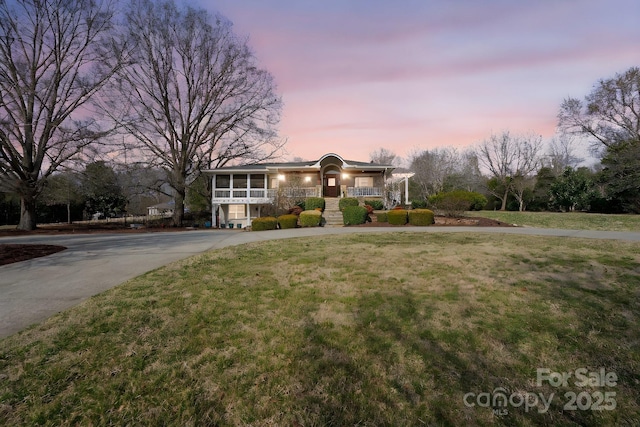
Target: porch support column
[[224, 209], [248, 185], [214, 217], [266, 185], [406, 190]]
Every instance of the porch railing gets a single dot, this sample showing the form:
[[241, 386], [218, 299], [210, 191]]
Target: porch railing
[[260, 193], [364, 191], [303, 192], [241, 193]]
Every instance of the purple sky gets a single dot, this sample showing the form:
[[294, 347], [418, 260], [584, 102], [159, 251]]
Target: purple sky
[[358, 75]]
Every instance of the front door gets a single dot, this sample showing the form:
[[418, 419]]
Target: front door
[[331, 185]]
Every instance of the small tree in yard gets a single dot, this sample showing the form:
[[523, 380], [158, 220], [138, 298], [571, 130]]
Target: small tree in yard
[[102, 191], [290, 193], [64, 189], [511, 160], [572, 190]]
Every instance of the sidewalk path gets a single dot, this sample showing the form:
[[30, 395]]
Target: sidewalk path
[[33, 290]]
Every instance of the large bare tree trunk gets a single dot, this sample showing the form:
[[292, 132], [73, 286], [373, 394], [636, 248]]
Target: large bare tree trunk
[[503, 207], [178, 209], [27, 212]]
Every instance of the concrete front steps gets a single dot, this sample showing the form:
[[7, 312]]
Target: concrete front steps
[[332, 214]]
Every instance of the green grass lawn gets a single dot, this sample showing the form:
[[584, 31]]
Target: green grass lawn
[[565, 220], [371, 329]]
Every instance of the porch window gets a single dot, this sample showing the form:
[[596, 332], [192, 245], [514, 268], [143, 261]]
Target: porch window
[[257, 181], [331, 182], [223, 181], [240, 181], [364, 181], [237, 211]]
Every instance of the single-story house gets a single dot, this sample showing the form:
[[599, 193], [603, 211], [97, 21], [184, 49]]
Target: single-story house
[[239, 193]]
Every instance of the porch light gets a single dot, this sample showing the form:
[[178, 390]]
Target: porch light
[[307, 179], [280, 177], [345, 175]]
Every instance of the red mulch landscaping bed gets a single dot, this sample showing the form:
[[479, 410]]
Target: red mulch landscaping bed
[[443, 221], [10, 253]]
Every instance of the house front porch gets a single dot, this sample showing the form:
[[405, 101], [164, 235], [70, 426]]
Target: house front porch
[[241, 193]]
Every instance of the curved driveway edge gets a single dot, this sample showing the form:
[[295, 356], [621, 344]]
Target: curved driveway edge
[[33, 290]]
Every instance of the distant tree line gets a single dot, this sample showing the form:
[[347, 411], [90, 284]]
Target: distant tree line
[[521, 172]]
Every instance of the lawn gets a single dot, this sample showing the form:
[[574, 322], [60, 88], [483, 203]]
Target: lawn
[[364, 329], [565, 220]]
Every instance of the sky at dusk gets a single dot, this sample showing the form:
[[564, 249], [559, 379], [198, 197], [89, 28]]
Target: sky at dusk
[[410, 75]]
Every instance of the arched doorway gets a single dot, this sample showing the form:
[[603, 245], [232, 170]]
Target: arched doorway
[[331, 183]]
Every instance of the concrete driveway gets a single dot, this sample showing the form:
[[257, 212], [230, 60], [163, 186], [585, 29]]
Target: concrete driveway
[[31, 291]]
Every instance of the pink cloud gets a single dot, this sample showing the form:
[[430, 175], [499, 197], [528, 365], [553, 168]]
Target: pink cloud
[[356, 76]]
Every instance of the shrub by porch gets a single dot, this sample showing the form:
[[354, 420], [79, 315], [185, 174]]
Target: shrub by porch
[[354, 215], [311, 218], [312, 203], [264, 223], [421, 217], [288, 221], [397, 217]]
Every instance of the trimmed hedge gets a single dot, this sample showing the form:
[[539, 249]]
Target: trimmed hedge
[[310, 218], [419, 204], [288, 221], [421, 217], [264, 223], [375, 204], [454, 203], [397, 217], [382, 217], [347, 201], [354, 215], [312, 203]]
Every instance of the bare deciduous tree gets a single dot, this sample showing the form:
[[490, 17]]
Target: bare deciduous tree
[[466, 174], [54, 56], [610, 113], [511, 161], [195, 97], [382, 156], [432, 167], [561, 154]]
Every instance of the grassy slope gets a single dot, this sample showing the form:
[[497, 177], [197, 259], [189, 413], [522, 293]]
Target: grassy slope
[[364, 329], [567, 220]]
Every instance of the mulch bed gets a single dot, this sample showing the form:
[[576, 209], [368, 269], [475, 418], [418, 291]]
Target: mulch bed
[[10, 253], [86, 229], [443, 221]]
